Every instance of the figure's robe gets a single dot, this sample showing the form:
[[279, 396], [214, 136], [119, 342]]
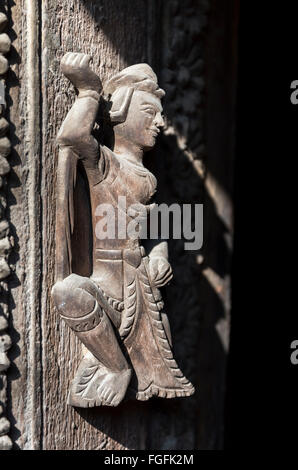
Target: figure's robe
[[120, 269]]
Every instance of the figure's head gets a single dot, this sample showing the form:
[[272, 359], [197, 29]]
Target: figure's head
[[136, 107]]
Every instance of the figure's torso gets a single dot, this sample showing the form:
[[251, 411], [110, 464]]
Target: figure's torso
[[123, 184]]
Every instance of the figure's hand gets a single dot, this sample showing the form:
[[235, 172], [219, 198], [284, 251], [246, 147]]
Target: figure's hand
[[75, 66], [160, 271]]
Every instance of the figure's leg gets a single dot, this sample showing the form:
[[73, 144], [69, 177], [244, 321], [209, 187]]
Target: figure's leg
[[75, 299]]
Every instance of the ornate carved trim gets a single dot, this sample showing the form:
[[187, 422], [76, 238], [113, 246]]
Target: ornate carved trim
[[184, 149], [5, 238]]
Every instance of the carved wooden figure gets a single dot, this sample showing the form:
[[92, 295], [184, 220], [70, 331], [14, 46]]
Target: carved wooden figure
[[112, 302]]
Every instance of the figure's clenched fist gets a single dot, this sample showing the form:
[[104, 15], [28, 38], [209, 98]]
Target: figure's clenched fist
[[75, 66]]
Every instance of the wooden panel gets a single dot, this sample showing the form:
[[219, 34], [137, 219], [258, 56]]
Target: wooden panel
[[184, 44], [115, 36]]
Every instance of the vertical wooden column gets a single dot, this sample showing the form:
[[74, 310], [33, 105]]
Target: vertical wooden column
[[24, 216]]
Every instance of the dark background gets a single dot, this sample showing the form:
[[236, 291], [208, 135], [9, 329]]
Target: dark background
[[262, 383]]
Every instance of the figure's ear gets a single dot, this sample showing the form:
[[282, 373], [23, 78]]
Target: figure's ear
[[121, 113]]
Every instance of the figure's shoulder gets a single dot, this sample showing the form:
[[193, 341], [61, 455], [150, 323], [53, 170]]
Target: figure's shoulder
[[109, 163], [109, 155]]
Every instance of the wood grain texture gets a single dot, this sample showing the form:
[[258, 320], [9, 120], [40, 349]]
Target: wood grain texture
[[45, 353]]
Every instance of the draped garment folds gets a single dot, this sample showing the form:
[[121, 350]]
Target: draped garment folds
[[120, 270]]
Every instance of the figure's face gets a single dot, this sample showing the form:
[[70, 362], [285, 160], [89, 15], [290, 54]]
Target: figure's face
[[143, 121]]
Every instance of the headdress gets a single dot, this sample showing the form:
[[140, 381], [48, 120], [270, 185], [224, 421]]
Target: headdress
[[138, 77]]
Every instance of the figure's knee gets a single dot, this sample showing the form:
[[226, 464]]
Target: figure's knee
[[71, 297]]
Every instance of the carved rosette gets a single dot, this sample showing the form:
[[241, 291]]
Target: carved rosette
[[5, 238]]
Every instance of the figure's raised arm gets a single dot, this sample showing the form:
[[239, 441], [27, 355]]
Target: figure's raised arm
[[76, 142], [76, 130]]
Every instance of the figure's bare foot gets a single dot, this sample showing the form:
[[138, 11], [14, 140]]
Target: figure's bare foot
[[113, 387], [82, 391], [96, 385]]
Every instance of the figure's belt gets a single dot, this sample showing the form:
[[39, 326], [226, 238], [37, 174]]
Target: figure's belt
[[131, 256]]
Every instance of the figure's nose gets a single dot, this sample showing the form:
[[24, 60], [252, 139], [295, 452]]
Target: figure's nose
[[159, 120]]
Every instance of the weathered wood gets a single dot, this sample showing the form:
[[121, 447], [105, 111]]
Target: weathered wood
[[173, 38]]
